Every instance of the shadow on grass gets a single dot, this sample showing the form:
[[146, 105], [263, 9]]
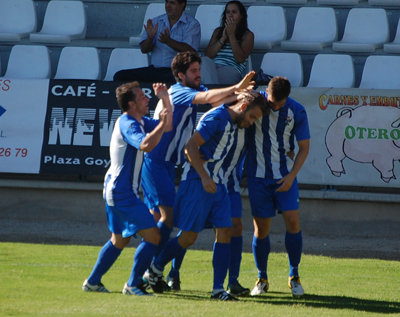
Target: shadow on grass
[[308, 300]]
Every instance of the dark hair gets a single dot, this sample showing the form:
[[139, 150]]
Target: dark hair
[[241, 28], [258, 101], [181, 1], [125, 94], [182, 62], [279, 88]]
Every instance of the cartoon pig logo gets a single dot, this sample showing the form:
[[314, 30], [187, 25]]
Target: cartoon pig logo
[[366, 135]]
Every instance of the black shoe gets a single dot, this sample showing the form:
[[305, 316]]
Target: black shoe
[[238, 290], [174, 283], [224, 296], [156, 280], [166, 287]]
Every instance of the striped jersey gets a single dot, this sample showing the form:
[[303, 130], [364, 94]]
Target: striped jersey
[[170, 147], [225, 57], [122, 180], [234, 162], [271, 137], [218, 131]]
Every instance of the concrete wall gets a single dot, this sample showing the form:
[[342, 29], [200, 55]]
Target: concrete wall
[[73, 213]]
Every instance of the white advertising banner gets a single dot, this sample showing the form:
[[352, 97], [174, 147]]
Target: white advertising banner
[[355, 137], [23, 105]]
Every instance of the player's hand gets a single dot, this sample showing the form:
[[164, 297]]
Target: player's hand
[[209, 185], [160, 90], [164, 36], [246, 83], [163, 116], [286, 182], [150, 29], [248, 95], [290, 154]]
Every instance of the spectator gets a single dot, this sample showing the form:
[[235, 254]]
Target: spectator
[[225, 60], [164, 36]]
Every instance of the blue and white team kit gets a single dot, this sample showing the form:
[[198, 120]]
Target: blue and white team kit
[[126, 212], [194, 207], [158, 175], [233, 166], [269, 140]]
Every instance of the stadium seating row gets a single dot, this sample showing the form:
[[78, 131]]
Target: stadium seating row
[[328, 70], [315, 28], [63, 21]]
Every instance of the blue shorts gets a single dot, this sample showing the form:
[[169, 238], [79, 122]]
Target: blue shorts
[[265, 201], [194, 207], [158, 183], [127, 220], [236, 204]]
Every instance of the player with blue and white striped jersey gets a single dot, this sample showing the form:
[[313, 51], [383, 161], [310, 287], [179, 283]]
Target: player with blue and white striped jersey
[[233, 173], [133, 134], [158, 174], [202, 195], [271, 169]]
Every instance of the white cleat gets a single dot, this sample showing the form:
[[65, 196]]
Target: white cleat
[[87, 287], [295, 286], [261, 287], [139, 290]]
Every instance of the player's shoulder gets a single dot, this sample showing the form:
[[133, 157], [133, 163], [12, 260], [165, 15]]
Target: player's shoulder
[[294, 105]]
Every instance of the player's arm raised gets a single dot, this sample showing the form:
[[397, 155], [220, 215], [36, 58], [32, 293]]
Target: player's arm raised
[[218, 96], [161, 91], [153, 138], [193, 156]]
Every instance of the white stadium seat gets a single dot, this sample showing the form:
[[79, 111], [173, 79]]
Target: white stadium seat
[[17, 19], [243, 1], [268, 23], [332, 70], [209, 17], [125, 58], [314, 29], [29, 62], [393, 47], [153, 10], [284, 64], [63, 21], [394, 3], [287, 1], [381, 72], [366, 30], [78, 63], [338, 2]]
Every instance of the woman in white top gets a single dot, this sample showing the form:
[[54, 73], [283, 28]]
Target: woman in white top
[[225, 60]]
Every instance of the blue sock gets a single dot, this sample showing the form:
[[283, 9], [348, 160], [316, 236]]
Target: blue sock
[[165, 231], [172, 249], [236, 259], [141, 261], [221, 259], [107, 256], [294, 247], [261, 249], [176, 265]]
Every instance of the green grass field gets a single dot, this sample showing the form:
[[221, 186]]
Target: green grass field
[[45, 280]]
